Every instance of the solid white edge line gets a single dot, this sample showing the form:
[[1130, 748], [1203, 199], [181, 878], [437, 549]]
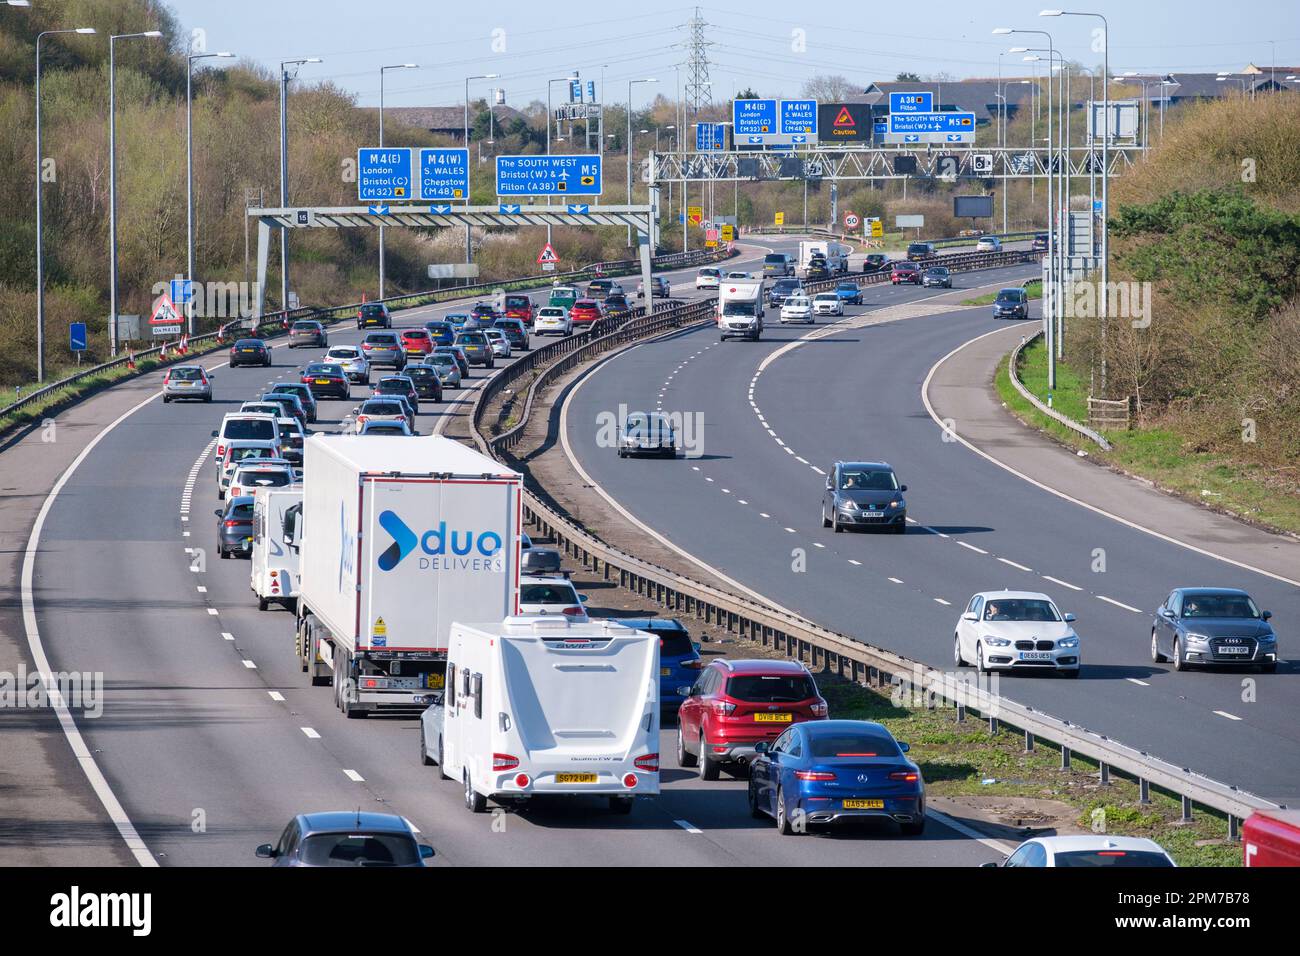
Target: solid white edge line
[[686, 825], [970, 832], [925, 398], [98, 782]]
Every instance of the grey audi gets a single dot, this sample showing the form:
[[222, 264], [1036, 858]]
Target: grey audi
[[1213, 626]]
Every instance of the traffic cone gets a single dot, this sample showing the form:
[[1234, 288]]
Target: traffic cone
[[184, 347], [130, 359]]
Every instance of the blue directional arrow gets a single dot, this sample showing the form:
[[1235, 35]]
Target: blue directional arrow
[[755, 140], [379, 209], [440, 209], [508, 208], [578, 208], [911, 138], [954, 137], [799, 139]]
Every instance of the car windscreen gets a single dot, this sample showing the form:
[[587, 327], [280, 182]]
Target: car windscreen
[[770, 688], [852, 744], [321, 368], [240, 512], [785, 285], [547, 594], [775, 259], [252, 429], [541, 560], [359, 849], [517, 302], [871, 480], [471, 338], [1010, 295], [393, 429], [1219, 605], [343, 352], [714, 273], [258, 478], [1111, 858], [918, 248], [675, 643], [381, 338], [383, 408], [438, 327], [375, 311], [1020, 609], [422, 334], [248, 344], [413, 372], [187, 375], [738, 308], [291, 440], [243, 454], [306, 327], [441, 360]]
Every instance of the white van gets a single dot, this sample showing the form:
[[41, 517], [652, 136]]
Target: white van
[[245, 426], [548, 707], [274, 564]]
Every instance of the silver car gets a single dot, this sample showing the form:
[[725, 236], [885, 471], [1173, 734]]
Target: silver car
[[355, 365], [187, 381], [500, 344], [384, 348], [446, 367]]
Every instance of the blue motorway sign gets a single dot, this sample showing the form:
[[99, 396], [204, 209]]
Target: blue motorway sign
[[754, 117], [710, 136], [444, 174], [911, 102], [931, 122], [576, 175], [77, 336], [880, 128], [182, 290], [384, 174], [799, 118]]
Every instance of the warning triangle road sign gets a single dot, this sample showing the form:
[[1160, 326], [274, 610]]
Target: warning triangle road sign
[[164, 311], [547, 255], [845, 118]]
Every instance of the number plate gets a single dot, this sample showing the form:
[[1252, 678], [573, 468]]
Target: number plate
[[864, 804], [773, 718], [322, 381], [665, 671], [875, 514], [575, 778], [435, 681], [1035, 656], [1234, 650]]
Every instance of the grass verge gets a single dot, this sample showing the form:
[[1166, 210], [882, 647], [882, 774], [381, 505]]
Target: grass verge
[[1034, 288], [1158, 454]]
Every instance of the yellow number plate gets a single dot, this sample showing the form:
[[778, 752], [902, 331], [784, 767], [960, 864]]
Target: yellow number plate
[[773, 718], [864, 804], [435, 681], [322, 381], [575, 778], [665, 671]]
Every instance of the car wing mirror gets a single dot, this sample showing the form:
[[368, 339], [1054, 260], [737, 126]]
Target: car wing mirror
[[904, 747], [761, 747], [683, 692], [970, 616], [426, 852], [266, 851], [1070, 619], [902, 487], [218, 512], [1265, 615], [985, 866]]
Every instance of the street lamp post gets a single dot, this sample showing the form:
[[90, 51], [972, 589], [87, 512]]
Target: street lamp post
[[112, 181], [40, 258], [629, 146], [382, 71], [284, 169], [1105, 173], [189, 180], [559, 79], [469, 248]]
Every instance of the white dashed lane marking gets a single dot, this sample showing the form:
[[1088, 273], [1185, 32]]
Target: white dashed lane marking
[[1014, 564], [1224, 713], [310, 733], [1064, 584], [1127, 607]]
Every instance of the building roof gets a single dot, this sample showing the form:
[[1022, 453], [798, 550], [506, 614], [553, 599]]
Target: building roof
[[440, 119], [978, 96]]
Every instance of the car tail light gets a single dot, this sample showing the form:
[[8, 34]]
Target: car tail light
[[275, 574], [221, 451], [1111, 853], [362, 419], [629, 780], [907, 776], [522, 780], [723, 708], [373, 683], [813, 775], [502, 762], [695, 665], [819, 709], [230, 524], [574, 611], [648, 763]]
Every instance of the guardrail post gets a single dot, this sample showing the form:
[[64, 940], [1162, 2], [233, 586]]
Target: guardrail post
[[1029, 742], [1105, 774], [993, 726], [1187, 810], [1144, 790], [1065, 758], [961, 713], [1234, 831]]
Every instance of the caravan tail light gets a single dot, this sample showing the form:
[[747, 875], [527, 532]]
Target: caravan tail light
[[522, 780], [648, 763], [573, 611], [502, 762]]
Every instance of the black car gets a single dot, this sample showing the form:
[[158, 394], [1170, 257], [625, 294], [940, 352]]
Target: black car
[[374, 315], [1218, 626], [936, 277], [304, 393], [235, 526], [817, 268], [290, 405], [308, 332], [1039, 243], [326, 378], [514, 331], [920, 250], [540, 561], [782, 289], [1011, 304], [399, 385], [875, 262], [426, 381], [347, 838], [862, 494], [250, 352]]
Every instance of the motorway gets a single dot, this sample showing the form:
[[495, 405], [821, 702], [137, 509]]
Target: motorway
[[211, 738], [777, 414]]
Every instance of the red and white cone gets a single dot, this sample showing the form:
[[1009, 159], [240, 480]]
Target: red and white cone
[[130, 359]]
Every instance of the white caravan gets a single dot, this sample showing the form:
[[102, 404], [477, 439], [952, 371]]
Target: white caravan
[[274, 564]]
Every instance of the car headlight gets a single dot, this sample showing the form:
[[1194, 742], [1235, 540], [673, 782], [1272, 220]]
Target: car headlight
[[1068, 642], [996, 641], [848, 506], [896, 503], [1195, 638]]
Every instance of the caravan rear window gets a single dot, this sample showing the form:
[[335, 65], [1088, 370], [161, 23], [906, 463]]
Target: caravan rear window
[[250, 429]]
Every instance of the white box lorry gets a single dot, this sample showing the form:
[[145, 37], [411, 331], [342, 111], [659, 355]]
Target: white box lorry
[[835, 253], [274, 576], [740, 309], [399, 537], [550, 708]]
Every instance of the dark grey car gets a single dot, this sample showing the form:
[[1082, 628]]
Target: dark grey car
[[347, 838], [936, 277], [309, 333], [864, 494], [235, 526], [1011, 304], [1220, 626]]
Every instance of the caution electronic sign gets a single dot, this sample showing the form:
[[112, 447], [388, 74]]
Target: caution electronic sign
[[844, 122]]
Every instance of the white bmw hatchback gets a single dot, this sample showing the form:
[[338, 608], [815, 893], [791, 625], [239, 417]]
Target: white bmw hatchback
[[1016, 630]]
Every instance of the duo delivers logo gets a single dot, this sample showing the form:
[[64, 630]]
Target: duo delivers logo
[[437, 543]]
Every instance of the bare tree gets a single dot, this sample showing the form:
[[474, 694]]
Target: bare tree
[[830, 89]]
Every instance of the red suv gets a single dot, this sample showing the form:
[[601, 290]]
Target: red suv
[[736, 704], [585, 312], [520, 307], [417, 342], [904, 272]]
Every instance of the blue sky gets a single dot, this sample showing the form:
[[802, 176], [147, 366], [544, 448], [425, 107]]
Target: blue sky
[[756, 42]]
